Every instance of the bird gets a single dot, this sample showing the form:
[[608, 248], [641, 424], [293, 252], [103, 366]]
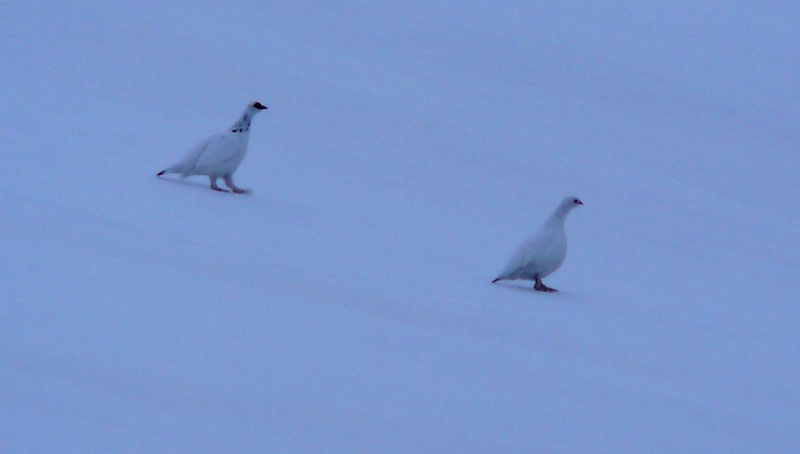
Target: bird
[[543, 252], [219, 155]]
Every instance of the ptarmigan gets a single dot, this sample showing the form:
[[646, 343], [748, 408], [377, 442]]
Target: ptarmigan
[[543, 252], [219, 155]]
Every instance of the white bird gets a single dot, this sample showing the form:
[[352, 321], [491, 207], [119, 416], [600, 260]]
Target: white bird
[[219, 155], [542, 253]]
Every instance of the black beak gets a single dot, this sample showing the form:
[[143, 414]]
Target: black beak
[[259, 106]]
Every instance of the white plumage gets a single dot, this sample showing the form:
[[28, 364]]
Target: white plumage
[[542, 253], [219, 155]]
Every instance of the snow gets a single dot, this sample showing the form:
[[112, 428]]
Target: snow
[[345, 305]]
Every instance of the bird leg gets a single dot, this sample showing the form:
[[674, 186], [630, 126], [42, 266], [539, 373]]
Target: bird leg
[[539, 285], [214, 185], [236, 190]]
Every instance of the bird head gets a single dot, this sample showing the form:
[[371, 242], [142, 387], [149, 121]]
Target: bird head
[[567, 205], [258, 106]]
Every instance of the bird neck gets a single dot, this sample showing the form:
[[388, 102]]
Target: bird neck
[[243, 124], [561, 213], [555, 221]]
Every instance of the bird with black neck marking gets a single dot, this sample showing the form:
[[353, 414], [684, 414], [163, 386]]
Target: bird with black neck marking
[[219, 155], [543, 252]]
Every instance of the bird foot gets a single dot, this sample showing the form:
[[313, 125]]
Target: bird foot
[[543, 288], [220, 190]]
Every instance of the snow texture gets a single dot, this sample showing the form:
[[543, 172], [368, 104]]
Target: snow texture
[[346, 305]]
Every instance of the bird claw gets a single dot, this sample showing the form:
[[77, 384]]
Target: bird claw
[[220, 190], [544, 288]]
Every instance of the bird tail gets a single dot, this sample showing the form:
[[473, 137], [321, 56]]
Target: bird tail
[[497, 279], [179, 167]]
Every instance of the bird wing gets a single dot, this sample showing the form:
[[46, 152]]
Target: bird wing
[[533, 255], [548, 253], [220, 149], [186, 165]]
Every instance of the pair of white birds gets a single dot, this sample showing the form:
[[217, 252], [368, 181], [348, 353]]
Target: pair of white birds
[[219, 156]]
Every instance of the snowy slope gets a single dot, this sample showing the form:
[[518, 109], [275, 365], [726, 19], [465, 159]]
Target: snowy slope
[[345, 305]]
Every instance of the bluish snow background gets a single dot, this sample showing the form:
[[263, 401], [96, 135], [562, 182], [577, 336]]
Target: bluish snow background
[[409, 146]]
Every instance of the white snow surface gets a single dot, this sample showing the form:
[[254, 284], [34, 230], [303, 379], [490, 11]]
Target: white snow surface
[[346, 305]]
